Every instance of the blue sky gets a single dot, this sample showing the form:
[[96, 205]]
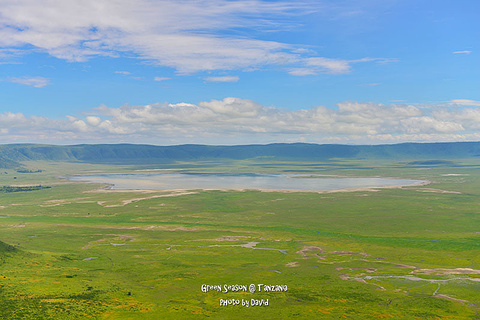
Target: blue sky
[[245, 71]]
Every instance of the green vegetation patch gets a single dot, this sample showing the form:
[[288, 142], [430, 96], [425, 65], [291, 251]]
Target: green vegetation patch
[[76, 251], [7, 189]]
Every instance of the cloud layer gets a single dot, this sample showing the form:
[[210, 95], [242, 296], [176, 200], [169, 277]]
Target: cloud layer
[[189, 36], [37, 82], [222, 79], [235, 120]]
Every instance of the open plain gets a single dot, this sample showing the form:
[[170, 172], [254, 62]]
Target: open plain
[[79, 250]]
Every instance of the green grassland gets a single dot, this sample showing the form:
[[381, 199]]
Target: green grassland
[[73, 252]]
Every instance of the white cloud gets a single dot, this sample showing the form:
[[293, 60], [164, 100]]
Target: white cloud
[[335, 66], [235, 120], [222, 79], [182, 35], [189, 36], [161, 78], [302, 72], [125, 73], [465, 102], [467, 117], [37, 82], [93, 121], [462, 52], [316, 65], [7, 55]]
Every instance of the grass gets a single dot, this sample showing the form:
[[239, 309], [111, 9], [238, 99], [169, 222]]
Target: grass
[[69, 253]]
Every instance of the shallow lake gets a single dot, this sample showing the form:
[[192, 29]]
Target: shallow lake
[[217, 181]]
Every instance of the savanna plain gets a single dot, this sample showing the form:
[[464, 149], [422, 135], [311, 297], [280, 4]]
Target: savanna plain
[[76, 250]]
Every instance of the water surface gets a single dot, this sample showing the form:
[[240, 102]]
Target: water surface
[[219, 181]]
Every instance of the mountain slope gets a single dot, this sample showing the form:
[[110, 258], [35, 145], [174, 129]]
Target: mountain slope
[[11, 155]]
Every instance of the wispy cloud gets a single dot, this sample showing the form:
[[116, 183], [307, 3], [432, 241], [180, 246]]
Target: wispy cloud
[[235, 120], [335, 66], [37, 82], [462, 52], [7, 56], [301, 72], [316, 65], [125, 73], [465, 102], [76, 31], [222, 79], [161, 78], [189, 36]]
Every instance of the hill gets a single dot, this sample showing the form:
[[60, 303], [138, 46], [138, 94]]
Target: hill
[[12, 154]]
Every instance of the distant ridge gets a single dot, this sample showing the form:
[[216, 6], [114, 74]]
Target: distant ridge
[[12, 154]]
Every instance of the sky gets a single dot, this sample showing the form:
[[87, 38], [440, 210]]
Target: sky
[[226, 72]]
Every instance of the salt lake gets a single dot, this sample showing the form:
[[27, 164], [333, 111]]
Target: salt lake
[[235, 181]]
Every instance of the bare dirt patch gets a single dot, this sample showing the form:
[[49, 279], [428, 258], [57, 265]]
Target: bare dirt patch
[[128, 201], [441, 272], [250, 245], [310, 250], [124, 237], [92, 243], [432, 190], [444, 296], [163, 228], [226, 238], [59, 202]]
